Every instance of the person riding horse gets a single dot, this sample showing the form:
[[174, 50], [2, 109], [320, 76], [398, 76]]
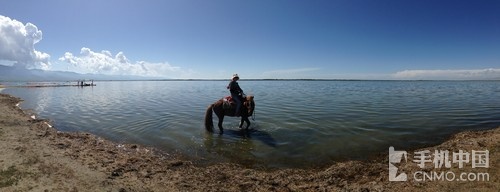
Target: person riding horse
[[236, 93], [245, 107]]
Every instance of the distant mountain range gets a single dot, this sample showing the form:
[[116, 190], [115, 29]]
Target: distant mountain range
[[10, 73]]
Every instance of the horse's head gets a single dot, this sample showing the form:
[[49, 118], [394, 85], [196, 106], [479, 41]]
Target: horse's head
[[249, 104]]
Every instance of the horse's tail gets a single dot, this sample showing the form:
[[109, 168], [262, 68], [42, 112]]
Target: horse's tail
[[209, 124]]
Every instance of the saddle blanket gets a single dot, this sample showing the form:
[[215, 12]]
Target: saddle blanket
[[227, 102]]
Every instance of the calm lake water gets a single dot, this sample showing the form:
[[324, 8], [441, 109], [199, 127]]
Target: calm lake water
[[298, 123]]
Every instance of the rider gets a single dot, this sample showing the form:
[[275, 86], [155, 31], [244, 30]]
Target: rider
[[236, 92]]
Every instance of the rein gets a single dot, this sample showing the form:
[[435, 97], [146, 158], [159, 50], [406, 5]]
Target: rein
[[253, 114]]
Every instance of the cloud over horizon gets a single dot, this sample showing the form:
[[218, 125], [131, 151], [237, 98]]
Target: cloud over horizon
[[449, 74], [105, 63], [17, 47], [17, 44]]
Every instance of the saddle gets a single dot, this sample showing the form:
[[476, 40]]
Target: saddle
[[228, 103]]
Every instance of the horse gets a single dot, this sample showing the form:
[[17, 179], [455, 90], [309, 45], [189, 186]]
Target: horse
[[220, 109]]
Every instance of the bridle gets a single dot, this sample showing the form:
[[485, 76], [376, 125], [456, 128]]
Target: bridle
[[253, 115]]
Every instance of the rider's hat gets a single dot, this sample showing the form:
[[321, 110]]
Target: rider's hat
[[235, 76]]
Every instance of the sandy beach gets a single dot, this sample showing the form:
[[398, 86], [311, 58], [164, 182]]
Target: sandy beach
[[36, 157]]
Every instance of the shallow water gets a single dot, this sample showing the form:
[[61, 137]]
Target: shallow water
[[298, 123]]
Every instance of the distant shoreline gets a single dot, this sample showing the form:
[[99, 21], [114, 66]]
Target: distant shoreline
[[384, 80]]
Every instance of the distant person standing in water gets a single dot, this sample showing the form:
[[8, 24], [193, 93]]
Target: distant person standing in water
[[236, 92]]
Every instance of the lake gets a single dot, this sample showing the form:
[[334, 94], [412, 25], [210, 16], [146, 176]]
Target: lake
[[297, 123]]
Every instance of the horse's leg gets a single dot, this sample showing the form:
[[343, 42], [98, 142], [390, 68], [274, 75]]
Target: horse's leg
[[220, 114], [241, 122], [221, 119], [245, 119], [248, 122]]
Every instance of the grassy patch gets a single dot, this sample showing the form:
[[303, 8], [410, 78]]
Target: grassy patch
[[9, 177]]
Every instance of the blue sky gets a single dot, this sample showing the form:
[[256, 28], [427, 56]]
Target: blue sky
[[386, 39]]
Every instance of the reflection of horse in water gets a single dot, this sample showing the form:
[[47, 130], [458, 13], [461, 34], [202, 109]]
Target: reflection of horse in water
[[239, 146], [224, 107]]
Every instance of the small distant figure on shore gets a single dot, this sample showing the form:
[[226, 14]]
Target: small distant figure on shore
[[236, 92], [82, 83]]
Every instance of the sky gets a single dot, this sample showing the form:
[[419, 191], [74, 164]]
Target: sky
[[212, 39]]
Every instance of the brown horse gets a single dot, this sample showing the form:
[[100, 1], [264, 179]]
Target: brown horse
[[221, 109]]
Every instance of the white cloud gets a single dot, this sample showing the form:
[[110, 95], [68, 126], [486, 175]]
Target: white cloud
[[476, 74], [105, 63], [17, 43]]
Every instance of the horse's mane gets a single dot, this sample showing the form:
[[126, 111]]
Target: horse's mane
[[249, 98]]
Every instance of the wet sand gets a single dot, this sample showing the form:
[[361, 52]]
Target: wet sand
[[36, 157]]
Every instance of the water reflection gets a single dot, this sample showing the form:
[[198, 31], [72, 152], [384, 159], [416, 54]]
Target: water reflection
[[239, 146], [255, 134], [239, 151]]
